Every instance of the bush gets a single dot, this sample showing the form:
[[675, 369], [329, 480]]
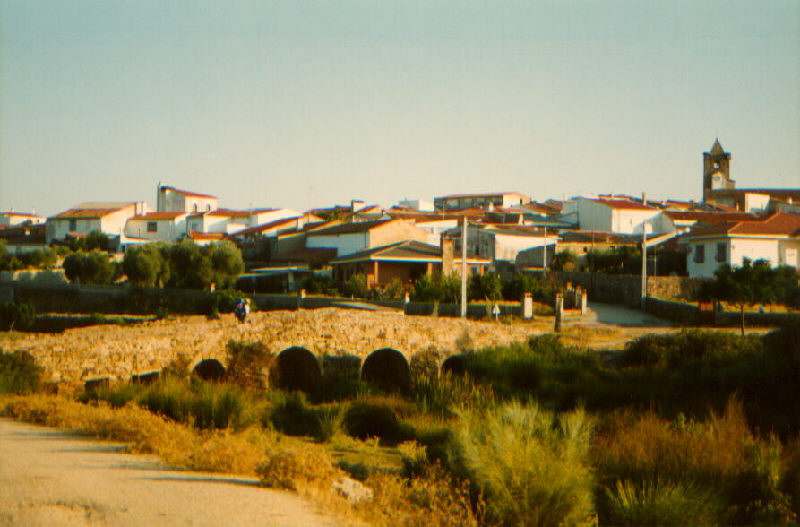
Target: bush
[[248, 364], [365, 420], [145, 266], [355, 286], [731, 471], [291, 415], [296, 468], [19, 373], [89, 268], [689, 349], [18, 315], [662, 503], [530, 464]]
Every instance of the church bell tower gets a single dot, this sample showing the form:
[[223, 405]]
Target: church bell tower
[[716, 170]]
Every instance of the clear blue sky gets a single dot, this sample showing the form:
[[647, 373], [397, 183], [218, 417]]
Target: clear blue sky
[[304, 104]]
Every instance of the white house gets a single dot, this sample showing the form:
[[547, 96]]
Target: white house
[[681, 221], [11, 218], [350, 238], [775, 239], [157, 226], [501, 243], [620, 216], [479, 201], [231, 221], [171, 199], [108, 218]]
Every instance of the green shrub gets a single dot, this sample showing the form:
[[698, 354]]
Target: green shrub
[[291, 415], [248, 364], [717, 457], [18, 315], [689, 348], [662, 503], [19, 373], [530, 464], [355, 286], [366, 420]]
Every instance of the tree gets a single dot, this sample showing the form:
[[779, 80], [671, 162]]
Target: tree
[[96, 240], [91, 268], [563, 261], [226, 263], [746, 285], [145, 266]]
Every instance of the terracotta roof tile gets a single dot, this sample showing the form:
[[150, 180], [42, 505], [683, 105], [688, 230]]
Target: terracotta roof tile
[[187, 192]]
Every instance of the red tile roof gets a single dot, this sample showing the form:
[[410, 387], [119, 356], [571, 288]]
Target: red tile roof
[[150, 216], [709, 216], [351, 228], [267, 226], [23, 214], [623, 204], [777, 224], [186, 192], [194, 235], [85, 213]]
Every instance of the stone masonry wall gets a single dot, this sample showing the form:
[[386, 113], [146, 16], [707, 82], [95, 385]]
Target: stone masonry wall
[[121, 351]]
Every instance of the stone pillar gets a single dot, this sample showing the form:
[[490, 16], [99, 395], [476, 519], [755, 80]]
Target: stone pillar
[[526, 307], [559, 312], [584, 300]]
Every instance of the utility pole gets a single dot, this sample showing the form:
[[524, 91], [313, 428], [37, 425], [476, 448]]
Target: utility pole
[[544, 262], [464, 268], [644, 255]]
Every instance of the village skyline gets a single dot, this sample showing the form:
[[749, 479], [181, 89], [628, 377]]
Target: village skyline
[[307, 105]]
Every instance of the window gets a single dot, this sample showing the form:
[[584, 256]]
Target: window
[[152, 226], [73, 225], [722, 249], [700, 254]]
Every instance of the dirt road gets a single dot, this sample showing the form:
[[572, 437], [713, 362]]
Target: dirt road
[[52, 478]]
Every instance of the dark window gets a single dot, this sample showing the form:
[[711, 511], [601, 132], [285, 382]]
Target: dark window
[[152, 226], [722, 249], [700, 254], [73, 225]]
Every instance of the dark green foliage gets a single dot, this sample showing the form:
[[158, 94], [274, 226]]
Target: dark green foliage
[[195, 267], [222, 301], [291, 415], [146, 266], [96, 241], [620, 260], [205, 405], [690, 350], [564, 261], [19, 373], [365, 420], [355, 286], [749, 284], [89, 268], [18, 315], [488, 286], [248, 364], [38, 259], [438, 288]]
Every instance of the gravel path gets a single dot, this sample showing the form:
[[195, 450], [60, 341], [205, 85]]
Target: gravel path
[[54, 478]]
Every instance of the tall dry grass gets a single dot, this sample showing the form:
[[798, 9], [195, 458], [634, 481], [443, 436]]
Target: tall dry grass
[[531, 464], [646, 464]]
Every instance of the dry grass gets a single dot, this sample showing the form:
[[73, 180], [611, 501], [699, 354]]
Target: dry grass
[[281, 461]]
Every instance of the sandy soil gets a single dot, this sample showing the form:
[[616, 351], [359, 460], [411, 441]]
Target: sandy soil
[[54, 478]]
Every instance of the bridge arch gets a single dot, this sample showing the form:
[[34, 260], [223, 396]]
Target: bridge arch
[[388, 369], [297, 369], [210, 370]]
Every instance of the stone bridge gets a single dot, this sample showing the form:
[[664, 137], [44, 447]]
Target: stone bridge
[[82, 354]]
